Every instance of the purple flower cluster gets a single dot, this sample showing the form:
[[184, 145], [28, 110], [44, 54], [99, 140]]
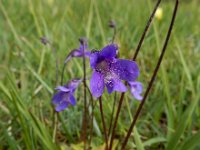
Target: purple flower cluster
[[108, 71]]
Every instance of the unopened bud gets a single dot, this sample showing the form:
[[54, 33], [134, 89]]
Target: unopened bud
[[83, 40], [112, 24], [44, 40]]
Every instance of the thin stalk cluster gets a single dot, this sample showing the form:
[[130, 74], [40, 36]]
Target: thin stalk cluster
[[45, 41], [153, 76], [85, 96], [108, 71], [134, 58]]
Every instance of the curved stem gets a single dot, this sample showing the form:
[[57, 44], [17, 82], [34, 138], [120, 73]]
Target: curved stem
[[55, 122], [134, 57], [55, 114], [112, 115], [91, 126], [153, 77], [103, 122], [62, 74], [146, 29], [92, 116], [114, 34], [54, 50], [84, 124], [116, 119]]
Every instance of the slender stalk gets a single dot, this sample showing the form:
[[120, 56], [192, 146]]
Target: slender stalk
[[62, 74], [153, 76], [55, 122], [84, 123], [112, 25], [91, 126], [103, 122], [114, 34], [45, 41], [115, 121], [55, 114], [146, 29], [112, 115], [54, 50], [134, 58], [69, 56], [92, 116]]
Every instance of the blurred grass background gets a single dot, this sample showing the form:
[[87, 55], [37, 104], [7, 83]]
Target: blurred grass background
[[171, 116]]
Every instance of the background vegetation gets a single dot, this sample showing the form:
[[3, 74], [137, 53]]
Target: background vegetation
[[171, 116]]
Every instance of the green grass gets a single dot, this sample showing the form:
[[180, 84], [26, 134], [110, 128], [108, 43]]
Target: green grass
[[171, 116]]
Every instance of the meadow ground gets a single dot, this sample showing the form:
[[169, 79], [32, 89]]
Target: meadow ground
[[170, 118]]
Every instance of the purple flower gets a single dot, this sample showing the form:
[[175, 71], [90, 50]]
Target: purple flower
[[79, 52], [65, 95], [136, 89], [109, 71]]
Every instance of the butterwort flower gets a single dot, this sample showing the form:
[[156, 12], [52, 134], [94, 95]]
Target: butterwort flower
[[79, 52], [109, 71], [65, 95], [136, 89]]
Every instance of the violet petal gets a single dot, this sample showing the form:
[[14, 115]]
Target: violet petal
[[94, 59], [72, 100], [62, 88], [73, 84], [57, 97], [115, 85], [62, 106], [127, 70], [136, 89], [97, 84], [109, 51]]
